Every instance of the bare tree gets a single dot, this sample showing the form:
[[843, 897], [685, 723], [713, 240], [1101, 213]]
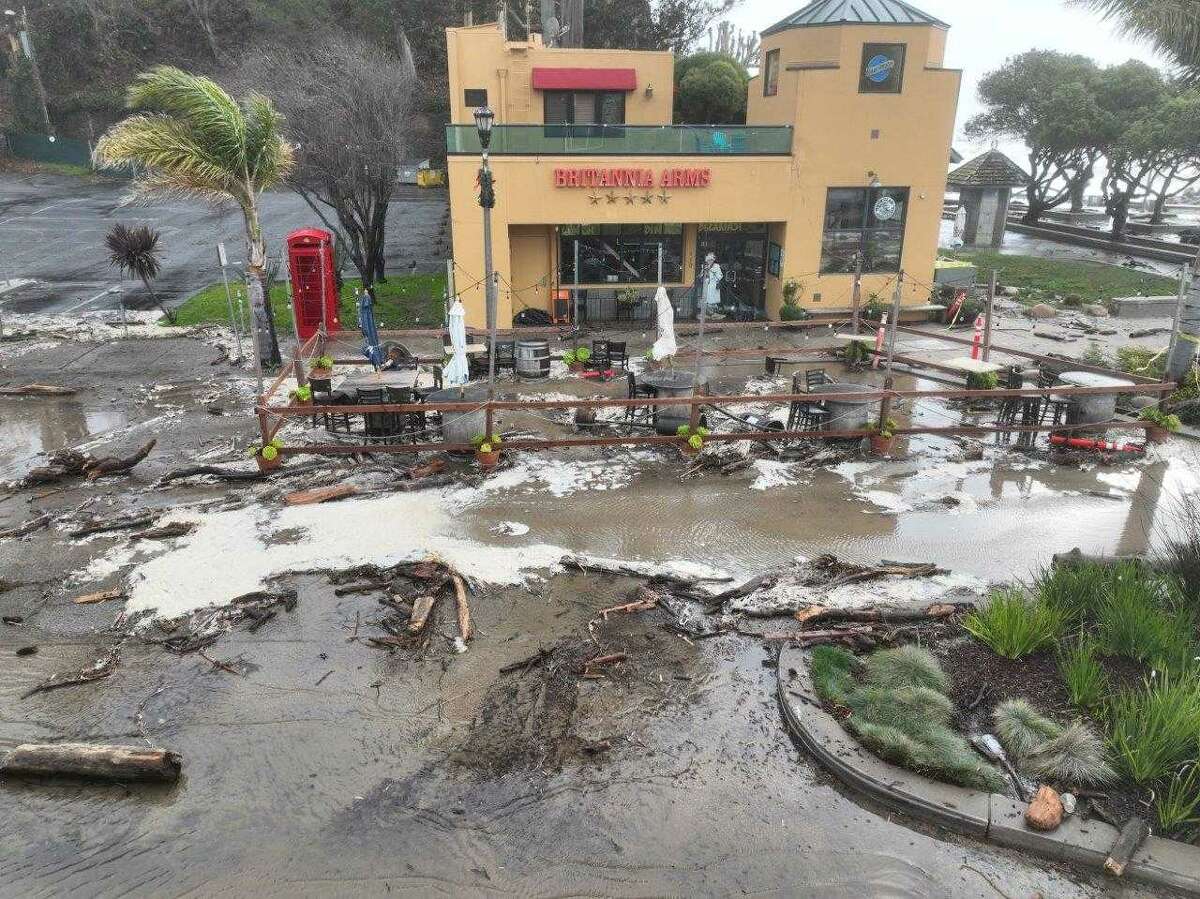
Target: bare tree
[[352, 111], [203, 12], [732, 41]]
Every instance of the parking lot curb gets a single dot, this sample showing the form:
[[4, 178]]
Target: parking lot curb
[[991, 817]]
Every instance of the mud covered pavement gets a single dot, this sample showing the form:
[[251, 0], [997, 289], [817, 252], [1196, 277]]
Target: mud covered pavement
[[319, 763]]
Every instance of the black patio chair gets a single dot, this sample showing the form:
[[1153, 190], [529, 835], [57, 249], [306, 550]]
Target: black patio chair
[[376, 425], [339, 422], [807, 415], [637, 391], [815, 377], [617, 353], [1010, 407], [1053, 410], [506, 355], [600, 359]]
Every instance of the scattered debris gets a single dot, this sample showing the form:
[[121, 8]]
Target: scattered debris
[[166, 532], [121, 763], [103, 667], [37, 390], [115, 524], [1132, 835], [72, 463], [103, 596], [422, 606], [466, 629], [319, 495], [27, 650], [814, 614], [35, 524], [1045, 811]]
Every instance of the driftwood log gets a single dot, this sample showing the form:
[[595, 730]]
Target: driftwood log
[[72, 463], [37, 390], [238, 474], [28, 527], [167, 531], [115, 524], [815, 614], [465, 628], [103, 667], [100, 468], [1132, 835], [422, 606], [103, 596], [603, 566], [122, 763], [319, 495], [1077, 557]]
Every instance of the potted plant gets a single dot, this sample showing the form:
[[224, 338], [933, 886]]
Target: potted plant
[[302, 395], [791, 310], [875, 308], [322, 368], [628, 298], [1160, 425], [856, 352], [571, 360], [487, 450], [982, 380], [882, 437], [693, 438], [267, 456]]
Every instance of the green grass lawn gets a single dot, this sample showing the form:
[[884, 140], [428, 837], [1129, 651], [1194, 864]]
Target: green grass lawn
[[1044, 278], [403, 301]]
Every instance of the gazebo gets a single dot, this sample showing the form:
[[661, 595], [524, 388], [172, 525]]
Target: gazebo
[[984, 186]]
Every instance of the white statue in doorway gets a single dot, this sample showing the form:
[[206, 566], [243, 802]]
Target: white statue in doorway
[[712, 282]]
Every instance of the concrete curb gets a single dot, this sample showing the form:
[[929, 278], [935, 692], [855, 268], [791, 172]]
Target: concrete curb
[[988, 816]]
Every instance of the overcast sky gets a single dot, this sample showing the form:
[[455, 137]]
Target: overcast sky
[[983, 33]]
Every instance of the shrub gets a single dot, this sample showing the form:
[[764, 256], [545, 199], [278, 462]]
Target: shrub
[[323, 361], [832, 676], [1180, 556], [1082, 673], [1021, 728], [1133, 620], [1013, 624], [888, 429], [982, 380], [1177, 805], [1140, 360], [1076, 757], [1154, 728], [910, 709], [856, 352], [791, 313], [1161, 419], [906, 666], [1073, 589]]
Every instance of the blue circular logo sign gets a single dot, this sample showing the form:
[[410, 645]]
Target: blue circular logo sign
[[880, 68]]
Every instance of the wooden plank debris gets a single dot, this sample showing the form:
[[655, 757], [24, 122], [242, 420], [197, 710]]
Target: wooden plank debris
[[319, 495], [120, 763], [1132, 835], [422, 606], [103, 596], [465, 628]]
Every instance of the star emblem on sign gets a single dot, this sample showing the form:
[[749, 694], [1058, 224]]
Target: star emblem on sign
[[612, 198], [647, 199], [595, 198], [664, 198], [629, 198]]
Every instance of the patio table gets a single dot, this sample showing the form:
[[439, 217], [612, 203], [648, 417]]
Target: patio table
[[1095, 409], [374, 380]]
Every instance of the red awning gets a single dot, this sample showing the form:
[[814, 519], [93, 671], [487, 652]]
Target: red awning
[[547, 79]]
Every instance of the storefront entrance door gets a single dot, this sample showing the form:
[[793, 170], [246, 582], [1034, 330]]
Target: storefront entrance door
[[741, 251]]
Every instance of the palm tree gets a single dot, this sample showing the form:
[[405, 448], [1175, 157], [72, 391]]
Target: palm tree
[[1173, 26], [188, 137], [135, 252]]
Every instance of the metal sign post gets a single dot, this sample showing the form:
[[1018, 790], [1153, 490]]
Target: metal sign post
[[234, 324], [253, 334], [988, 314]]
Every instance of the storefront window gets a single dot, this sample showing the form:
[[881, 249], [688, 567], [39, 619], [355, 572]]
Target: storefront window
[[620, 254], [869, 221]]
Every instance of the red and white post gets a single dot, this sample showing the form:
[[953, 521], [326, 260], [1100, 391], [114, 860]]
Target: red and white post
[[977, 340]]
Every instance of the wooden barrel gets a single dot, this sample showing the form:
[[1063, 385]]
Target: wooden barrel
[[533, 358]]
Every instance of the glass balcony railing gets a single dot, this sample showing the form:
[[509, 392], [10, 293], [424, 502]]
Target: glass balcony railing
[[624, 140]]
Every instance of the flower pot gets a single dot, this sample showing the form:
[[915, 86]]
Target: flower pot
[[265, 465], [575, 366], [320, 374], [1155, 434], [881, 446], [689, 450], [585, 416], [487, 460], [296, 401]]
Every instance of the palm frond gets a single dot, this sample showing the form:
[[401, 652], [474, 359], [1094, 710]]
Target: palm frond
[[158, 145], [1172, 26], [211, 113], [269, 157], [134, 250]]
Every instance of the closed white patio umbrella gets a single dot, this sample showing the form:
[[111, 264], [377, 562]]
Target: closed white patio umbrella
[[456, 372], [665, 346]]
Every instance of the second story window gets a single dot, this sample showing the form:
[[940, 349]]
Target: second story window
[[584, 107], [771, 74]]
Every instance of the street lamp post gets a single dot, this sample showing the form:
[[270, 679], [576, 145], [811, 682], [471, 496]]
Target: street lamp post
[[487, 199]]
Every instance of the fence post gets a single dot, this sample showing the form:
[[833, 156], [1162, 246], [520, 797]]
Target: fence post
[[987, 318], [885, 405], [856, 300]]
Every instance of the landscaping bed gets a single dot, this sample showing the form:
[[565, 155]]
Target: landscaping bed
[[1088, 678]]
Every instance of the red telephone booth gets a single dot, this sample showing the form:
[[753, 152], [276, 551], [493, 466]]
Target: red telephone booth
[[314, 287]]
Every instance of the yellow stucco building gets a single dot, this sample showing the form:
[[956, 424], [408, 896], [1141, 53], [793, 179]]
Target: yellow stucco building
[[599, 198]]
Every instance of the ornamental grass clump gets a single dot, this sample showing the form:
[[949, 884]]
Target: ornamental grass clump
[[1082, 673], [1072, 589], [1073, 755], [1178, 805], [901, 713], [1135, 619], [1015, 624], [1154, 728]]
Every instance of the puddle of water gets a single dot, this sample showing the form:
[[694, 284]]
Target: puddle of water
[[31, 426]]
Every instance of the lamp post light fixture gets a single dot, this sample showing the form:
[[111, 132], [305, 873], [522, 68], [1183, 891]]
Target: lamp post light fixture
[[484, 117]]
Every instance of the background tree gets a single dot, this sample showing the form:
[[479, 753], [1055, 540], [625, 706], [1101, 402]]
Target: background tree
[[190, 138], [1048, 101], [710, 89], [1134, 96], [650, 24], [1174, 28], [743, 46], [350, 109], [1179, 166], [135, 252]]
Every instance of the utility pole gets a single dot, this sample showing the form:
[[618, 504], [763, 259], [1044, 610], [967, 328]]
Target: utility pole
[[24, 40], [487, 199], [694, 418], [1184, 275], [1186, 335]]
